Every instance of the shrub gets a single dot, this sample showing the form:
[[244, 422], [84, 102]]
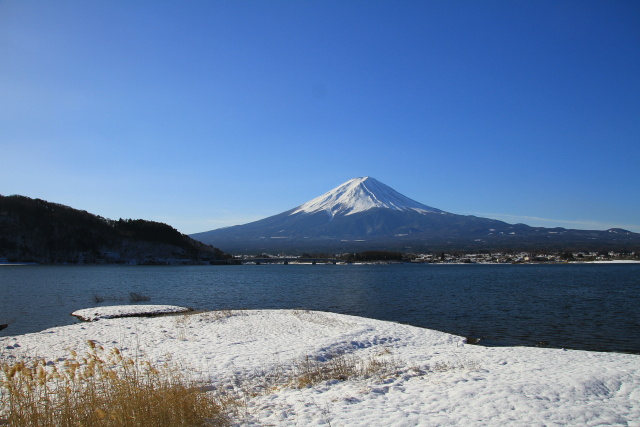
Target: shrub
[[137, 297]]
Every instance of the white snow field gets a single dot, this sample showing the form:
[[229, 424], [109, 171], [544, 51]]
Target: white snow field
[[432, 378]]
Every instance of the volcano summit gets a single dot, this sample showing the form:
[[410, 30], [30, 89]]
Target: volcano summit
[[360, 195], [365, 214]]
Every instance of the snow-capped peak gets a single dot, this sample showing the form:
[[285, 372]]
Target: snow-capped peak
[[359, 195]]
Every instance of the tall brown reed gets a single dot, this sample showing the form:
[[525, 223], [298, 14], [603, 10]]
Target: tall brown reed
[[103, 388]]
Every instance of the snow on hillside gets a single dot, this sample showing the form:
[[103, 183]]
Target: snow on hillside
[[359, 195], [436, 380]]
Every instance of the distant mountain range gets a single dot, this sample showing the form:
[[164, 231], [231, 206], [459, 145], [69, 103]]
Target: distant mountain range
[[365, 214], [34, 230]]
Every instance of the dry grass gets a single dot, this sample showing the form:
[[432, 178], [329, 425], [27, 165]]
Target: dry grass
[[460, 365], [214, 315], [312, 371], [225, 314], [103, 389]]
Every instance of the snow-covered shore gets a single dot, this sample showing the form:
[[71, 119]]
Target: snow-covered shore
[[437, 380]]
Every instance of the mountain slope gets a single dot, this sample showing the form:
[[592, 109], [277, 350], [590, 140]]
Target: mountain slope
[[364, 213], [41, 231]]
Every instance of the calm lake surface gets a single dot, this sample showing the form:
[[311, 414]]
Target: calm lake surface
[[578, 306]]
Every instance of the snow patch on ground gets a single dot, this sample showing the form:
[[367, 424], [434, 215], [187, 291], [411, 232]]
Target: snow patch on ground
[[438, 379], [114, 311]]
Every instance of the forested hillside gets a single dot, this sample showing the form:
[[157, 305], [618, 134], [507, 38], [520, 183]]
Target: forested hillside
[[34, 230]]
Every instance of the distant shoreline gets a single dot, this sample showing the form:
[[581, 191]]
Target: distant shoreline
[[618, 261]]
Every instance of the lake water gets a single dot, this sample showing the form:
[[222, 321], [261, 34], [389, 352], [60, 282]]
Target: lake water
[[578, 306]]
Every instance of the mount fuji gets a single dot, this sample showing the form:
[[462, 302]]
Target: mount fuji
[[365, 214]]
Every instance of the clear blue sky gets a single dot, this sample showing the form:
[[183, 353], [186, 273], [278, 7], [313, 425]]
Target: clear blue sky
[[204, 114]]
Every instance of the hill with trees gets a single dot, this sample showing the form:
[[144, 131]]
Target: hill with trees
[[34, 230]]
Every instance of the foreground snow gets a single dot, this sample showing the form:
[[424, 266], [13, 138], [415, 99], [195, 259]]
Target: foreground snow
[[437, 379]]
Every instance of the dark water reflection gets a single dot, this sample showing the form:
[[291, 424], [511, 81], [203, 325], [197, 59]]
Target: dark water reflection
[[583, 306]]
